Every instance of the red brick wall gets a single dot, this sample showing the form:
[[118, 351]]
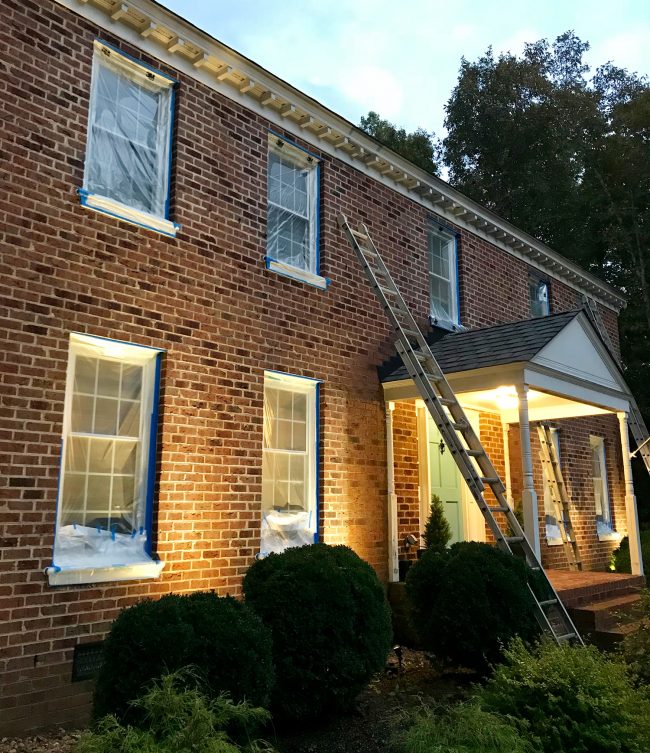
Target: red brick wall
[[407, 475], [206, 298]]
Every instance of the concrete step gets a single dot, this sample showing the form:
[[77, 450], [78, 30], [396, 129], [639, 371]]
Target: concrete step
[[609, 588], [609, 640], [610, 612]]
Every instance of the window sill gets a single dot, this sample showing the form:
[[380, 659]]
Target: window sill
[[104, 205], [295, 273], [73, 576], [553, 541], [608, 536]]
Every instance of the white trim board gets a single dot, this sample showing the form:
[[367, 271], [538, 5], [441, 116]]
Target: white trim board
[[169, 38]]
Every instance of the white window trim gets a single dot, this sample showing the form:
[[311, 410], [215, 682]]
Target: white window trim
[[603, 534], [308, 387], [300, 158], [538, 281], [145, 567], [451, 238], [113, 207]]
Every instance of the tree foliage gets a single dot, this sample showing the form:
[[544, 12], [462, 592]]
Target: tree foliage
[[419, 146]]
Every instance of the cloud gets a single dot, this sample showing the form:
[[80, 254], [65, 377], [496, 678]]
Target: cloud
[[628, 49]]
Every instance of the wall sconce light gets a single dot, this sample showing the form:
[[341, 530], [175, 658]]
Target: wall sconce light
[[410, 540]]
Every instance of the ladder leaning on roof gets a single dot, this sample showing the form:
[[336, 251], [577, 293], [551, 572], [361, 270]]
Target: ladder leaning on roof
[[465, 447], [635, 419], [559, 494]]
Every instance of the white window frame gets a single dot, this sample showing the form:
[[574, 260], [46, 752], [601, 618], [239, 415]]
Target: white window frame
[[86, 553], [553, 532], [298, 159], [602, 501], [302, 528], [437, 317], [543, 304], [126, 68]]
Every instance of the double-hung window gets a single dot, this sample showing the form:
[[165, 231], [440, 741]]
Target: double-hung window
[[443, 277], [289, 462], [604, 524], [551, 509], [127, 169], [103, 526], [538, 297], [292, 221]]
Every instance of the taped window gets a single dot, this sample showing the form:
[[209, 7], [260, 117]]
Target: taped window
[[292, 206], [538, 297], [289, 462], [108, 433], [443, 291], [551, 511], [129, 133], [601, 490]]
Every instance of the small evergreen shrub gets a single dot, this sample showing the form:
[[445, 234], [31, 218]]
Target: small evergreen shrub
[[466, 728], [470, 601], [635, 648], [437, 532], [621, 556], [177, 719], [330, 623], [573, 699], [224, 639]]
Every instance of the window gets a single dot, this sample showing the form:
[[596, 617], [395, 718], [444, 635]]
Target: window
[[443, 288], [292, 245], [551, 511], [538, 297], [106, 481], [601, 492], [289, 464], [129, 141]]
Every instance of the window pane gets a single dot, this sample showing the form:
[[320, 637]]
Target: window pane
[[84, 375], [108, 378], [101, 456], [123, 496], [129, 425], [131, 381], [76, 454], [125, 457], [285, 404], [299, 441], [283, 435], [81, 419], [300, 406], [288, 238], [99, 489], [72, 502], [105, 416]]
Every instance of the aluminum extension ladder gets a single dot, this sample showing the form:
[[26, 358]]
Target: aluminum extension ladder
[[559, 494], [635, 419], [456, 430]]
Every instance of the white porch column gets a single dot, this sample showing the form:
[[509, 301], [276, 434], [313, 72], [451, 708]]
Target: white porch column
[[636, 557], [529, 496], [393, 564], [505, 427]]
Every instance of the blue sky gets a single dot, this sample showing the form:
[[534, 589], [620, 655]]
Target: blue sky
[[401, 59]]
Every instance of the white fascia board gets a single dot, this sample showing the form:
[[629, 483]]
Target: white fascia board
[[560, 384], [533, 252]]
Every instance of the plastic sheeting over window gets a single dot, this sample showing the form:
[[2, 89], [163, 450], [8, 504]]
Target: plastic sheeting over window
[[289, 463], [129, 126], [442, 277], [292, 206], [102, 515]]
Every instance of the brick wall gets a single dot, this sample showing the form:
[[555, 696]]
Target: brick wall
[[206, 298]]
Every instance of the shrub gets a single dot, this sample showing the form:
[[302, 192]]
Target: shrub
[[635, 648], [330, 622], [621, 556], [437, 532], [466, 728], [468, 602], [572, 698], [224, 639], [177, 719]]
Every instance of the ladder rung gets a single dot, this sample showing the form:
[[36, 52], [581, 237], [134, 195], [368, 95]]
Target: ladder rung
[[498, 509], [459, 426], [566, 637], [514, 539], [387, 291], [490, 479], [411, 333], [547, 603], [359, 234], [475, 453]]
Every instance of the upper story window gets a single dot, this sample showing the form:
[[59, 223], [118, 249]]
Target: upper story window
[[293, 204], [289, 464], [106, 483], [129, 141], [443, 277], [538, 297]]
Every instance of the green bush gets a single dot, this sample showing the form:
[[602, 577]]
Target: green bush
[[177, 719], [224, 639], [468, 602], [437, 532], [635, 648], [621, 556], [466, 728], [573, 699], [330, 622]]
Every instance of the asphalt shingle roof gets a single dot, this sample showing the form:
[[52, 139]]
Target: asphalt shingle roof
[[489, 346]]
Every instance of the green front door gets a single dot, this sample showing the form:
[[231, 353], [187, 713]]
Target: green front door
[[445, 481]]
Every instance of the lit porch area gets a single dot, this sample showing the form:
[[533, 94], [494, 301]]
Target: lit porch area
[[509, 378]]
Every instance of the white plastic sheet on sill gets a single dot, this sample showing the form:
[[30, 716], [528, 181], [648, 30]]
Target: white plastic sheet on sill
[[283, 530]]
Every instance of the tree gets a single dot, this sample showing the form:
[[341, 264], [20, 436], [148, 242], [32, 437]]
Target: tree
[[437, 532], [419, 146]]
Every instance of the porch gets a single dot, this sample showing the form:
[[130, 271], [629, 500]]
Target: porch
[[509, 378]]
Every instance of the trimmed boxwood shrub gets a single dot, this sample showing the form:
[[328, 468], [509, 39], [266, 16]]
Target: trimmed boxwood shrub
[[468, 602], [330, 623], [571, 698], [219, 636]]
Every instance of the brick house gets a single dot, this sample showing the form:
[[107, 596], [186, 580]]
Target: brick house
[[194, 369]]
